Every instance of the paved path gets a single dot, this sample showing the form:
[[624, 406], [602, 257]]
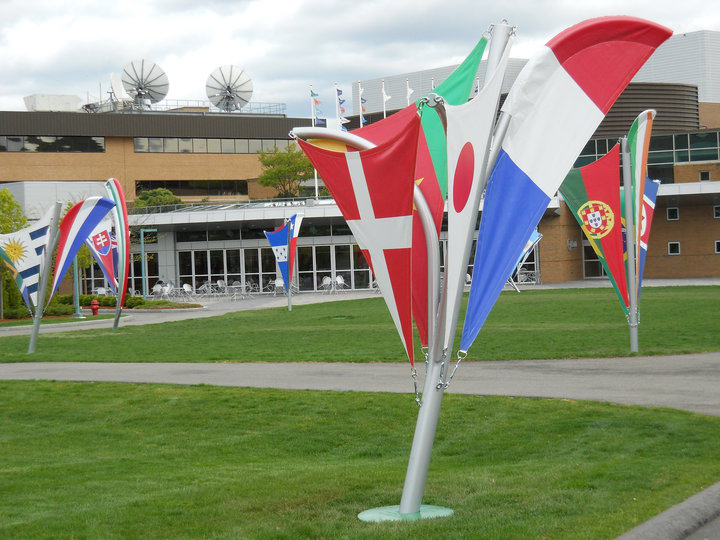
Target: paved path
[[687, 382]]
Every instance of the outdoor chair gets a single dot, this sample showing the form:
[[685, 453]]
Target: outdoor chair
[[235, 290], [157, 290], [327, 284], [340, 284], [278, 286], [188, 291]]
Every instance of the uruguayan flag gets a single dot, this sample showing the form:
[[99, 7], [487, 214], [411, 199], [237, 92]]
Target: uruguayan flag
[[23, 253]]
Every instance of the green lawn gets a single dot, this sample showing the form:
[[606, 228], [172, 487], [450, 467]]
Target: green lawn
[[563, 323], [53, 320], [99, 460]]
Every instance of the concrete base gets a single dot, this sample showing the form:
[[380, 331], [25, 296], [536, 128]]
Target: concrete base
[[392, 513]]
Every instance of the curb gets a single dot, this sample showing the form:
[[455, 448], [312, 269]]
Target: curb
[[681, 520]]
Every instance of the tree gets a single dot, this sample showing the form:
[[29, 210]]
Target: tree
[[285, 170], [11, 220], [157, 197]]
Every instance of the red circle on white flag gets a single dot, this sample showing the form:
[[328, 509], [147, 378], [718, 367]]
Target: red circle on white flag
[[464, 171]]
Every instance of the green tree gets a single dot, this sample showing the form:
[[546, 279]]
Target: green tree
[[157, 197], [285, 170], [11, 220]]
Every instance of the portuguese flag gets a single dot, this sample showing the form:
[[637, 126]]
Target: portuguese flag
[[592, 193]]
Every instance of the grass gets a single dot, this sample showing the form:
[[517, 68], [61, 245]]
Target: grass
[[563, 323], [100, 460]]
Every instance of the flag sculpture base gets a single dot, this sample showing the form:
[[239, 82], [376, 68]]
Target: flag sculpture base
[[392, 513]]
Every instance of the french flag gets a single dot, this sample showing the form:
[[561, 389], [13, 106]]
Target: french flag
[[556, 104], [76, 226]]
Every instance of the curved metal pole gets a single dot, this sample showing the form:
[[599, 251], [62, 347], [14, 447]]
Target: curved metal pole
[[630, 240]]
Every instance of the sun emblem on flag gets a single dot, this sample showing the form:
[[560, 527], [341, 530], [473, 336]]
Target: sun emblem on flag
[[597, 218], [15, 249]]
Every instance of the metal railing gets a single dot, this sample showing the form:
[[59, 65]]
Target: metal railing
[[209, 206]]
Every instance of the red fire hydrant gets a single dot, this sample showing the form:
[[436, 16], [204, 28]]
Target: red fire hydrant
[[94, 306]]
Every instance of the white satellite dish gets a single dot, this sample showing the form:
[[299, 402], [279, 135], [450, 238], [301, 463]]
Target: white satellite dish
[[117, 87], [145, 82], [229, 88]]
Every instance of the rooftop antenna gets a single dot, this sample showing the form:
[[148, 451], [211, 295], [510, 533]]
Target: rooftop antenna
[[229, 88], [145, 82]]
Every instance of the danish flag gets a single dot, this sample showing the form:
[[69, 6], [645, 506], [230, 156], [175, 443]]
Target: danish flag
[[374, 191]]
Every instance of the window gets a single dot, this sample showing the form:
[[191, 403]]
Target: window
[[704, 175], [673, 213], [673, 248], [191, 236], [717, 247], [716, 209]]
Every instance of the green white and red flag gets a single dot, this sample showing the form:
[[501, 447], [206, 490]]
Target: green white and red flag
[[592, 194]]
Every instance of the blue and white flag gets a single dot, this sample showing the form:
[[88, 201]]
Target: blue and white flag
[[279, 241], [23, 252]]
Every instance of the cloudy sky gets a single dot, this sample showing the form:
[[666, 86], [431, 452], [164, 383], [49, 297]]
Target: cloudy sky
[[72, 46]]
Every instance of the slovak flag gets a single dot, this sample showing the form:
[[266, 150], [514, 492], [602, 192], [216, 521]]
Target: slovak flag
[[76, 226], [374, 191], [103, 247], [558, 100]]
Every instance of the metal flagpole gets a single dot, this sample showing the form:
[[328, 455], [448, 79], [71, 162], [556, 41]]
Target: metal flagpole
[[630, 241], [76, 290], [44, 277], [290, 278]]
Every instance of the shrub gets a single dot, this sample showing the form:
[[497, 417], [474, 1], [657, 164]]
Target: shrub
[[107, 301], [64, 299], [20, 312], [56, 309], [85, 299], [134, 301]]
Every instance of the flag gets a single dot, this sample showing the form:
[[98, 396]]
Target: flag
[[592, 193], [534, 239], [385, 97], [23, 252], [75, 227], [279, 241], [103, 246], [469, 131], [638, 139], [122, 237], [313, 94], [555, 105], [648, 208], [374, 191], [430, 169], [295, 222], [408, 91]]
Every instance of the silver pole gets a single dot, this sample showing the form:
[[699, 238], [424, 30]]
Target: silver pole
[[45, 276], [424, 437], [630, 240], [76, 290]]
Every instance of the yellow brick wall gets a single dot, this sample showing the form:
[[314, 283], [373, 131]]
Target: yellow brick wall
[[709, 115], [558, 262], [696, 230], [691, 172], [120, 161]]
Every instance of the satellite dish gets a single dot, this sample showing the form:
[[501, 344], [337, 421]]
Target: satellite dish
[[145, 82], [229, 88], [117, 87]]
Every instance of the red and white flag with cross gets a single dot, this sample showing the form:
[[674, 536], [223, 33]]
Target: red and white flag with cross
[[374, 191]]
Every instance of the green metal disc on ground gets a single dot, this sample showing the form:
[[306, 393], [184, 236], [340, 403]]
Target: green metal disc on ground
[[392, 513]]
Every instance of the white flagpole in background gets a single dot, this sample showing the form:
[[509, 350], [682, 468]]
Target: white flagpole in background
[[360, 102], [385, 98], [408, 91], [312, 123]]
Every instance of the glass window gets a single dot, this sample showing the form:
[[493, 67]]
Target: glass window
[[588, 149], [705, 154], [602, 146], [341, 229], [252, 261], [682, 156], [704, 176], [213, 146], [223, 234], [15, 144], [199, 146], [342, 257], [681, 142], [185, 146], [322, 258], [201, 262], [185, 263], [673, 213], [241, 146], [359, 260], [584, 160], [305, 258], [661, 142], [673, 248], [170, 145], [664, 173], [232, 257], [268, 145], [191, 236], [217, 261], [703, 140], [315, 227], [155, 144], [3, 143], [716, 210], [227, 146], [255, 229], [282, 144], [660, 157], [254, 146], [267, 259], [717, 246]]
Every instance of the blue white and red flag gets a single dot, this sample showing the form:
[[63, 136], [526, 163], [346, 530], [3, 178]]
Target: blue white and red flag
[[295, 222], [648, 208], [103, 246], [557, 102], [75, 228]]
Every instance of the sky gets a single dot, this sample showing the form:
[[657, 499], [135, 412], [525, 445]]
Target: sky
[[72, 46]]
